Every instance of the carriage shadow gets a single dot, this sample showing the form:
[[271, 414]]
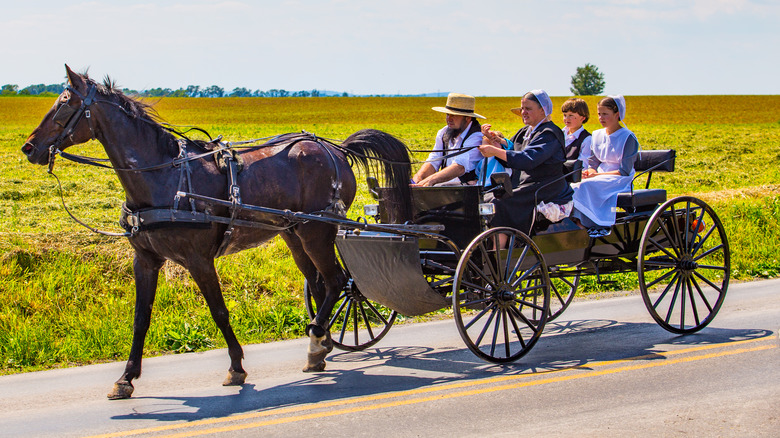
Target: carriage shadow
[[379, 371]]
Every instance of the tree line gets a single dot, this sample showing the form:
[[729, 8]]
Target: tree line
[[190, 91], [587, 81]]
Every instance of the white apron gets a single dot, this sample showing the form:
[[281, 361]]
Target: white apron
[[596, 197]]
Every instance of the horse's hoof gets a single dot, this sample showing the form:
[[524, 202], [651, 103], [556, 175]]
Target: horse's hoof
[[234, 378], [121, 391], [319, 347], [316, 367]]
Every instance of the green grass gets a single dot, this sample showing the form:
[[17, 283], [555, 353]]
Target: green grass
[[66, 295]]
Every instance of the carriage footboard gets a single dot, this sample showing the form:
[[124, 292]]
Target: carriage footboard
[[386, 269]]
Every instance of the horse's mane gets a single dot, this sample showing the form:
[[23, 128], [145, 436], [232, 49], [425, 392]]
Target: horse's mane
[[133, 107]]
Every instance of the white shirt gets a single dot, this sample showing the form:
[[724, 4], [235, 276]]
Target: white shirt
[[468, 159], [584, 148]]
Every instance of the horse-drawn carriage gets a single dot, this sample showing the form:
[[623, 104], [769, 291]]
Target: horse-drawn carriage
[[501, 298], [428, 249]]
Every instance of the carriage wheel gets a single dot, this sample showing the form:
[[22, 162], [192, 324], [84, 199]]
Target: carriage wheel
[[684, 255], [501, 299], [355, 323]]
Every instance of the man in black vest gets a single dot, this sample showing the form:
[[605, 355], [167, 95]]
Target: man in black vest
[[462, 133], [536, 154]]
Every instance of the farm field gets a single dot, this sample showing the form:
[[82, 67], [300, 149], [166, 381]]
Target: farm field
[[66, 294]]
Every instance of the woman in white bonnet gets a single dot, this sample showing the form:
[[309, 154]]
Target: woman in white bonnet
[[609, 169]]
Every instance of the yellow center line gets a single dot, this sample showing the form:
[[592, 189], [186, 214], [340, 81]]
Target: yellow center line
[[435, 389]]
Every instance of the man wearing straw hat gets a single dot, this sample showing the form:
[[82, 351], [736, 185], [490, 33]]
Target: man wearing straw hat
[[445, 165]]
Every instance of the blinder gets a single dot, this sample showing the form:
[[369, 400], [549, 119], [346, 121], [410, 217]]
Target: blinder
[[64, 113]]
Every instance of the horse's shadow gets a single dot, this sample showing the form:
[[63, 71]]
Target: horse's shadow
[[566, 345]]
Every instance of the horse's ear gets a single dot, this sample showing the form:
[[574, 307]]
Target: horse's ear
[[74, 79]]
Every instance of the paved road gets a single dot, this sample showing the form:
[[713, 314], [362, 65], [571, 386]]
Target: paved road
[[603, 369]]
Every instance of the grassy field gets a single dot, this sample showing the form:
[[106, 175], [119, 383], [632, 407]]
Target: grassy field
[[66, 295]]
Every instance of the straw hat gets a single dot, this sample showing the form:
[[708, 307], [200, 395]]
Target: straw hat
[[459, 105]]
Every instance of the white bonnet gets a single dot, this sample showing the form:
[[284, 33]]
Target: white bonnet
[[620, 101]]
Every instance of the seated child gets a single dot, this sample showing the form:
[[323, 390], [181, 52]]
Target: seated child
[[575, 114]]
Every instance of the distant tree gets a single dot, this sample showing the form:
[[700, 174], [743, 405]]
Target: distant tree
[[240, 92], [193, 90], [588, 81], [181, 92], [213, 91], [9, 90], [157, 92]]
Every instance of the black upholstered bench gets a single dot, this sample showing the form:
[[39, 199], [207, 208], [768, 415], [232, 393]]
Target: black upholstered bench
[[646, 163]]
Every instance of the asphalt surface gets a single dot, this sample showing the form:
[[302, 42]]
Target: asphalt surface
[[603, 369]]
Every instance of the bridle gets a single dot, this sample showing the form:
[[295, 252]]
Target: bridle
[[68, 117]]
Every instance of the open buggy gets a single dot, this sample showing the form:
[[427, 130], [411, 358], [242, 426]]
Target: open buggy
[[501, 299]]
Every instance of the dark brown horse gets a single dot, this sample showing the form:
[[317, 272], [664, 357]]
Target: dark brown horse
[[293, 173]]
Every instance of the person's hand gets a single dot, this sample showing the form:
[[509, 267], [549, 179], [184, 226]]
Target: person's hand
[[427, 182], [588, 173], [488, 150]]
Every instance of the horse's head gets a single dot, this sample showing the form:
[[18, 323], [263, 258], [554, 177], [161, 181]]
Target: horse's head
[[66, 123]]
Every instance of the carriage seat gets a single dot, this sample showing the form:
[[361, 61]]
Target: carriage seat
[[648, 162]]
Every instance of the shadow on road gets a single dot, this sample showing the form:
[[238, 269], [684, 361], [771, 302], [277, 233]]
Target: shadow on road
[[375, 371]]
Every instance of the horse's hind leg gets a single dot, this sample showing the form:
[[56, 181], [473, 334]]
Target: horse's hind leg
[[146, 269], [314, 253], [205, 275]]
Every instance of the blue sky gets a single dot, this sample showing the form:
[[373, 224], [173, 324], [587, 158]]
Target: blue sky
[[484, 48]]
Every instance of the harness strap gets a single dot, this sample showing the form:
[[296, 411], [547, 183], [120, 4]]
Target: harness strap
[[135, 221]]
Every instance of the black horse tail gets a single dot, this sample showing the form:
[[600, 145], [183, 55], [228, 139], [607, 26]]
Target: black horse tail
[[369, 145]]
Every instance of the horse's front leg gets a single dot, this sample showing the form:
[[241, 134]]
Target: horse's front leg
[[205, 275], [146, 270]]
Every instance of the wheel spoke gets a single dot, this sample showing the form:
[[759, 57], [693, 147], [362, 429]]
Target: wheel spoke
[[701, 294], [338, 312], [345, 322], [520, 260], [496, 326], [674, 299], [474, 269], [692, 300], [704, 239], [718, 268], [672, 241], [516, 282], [666, 290], [512, 310], [493, 312], [706, 280], [660, 279], [662, 249], [355, 326], [660, 263], [496, 278], [478, 316], [687, 224], [525, 320], [708, 252], [376, 312], [366, 321], [506, 333]]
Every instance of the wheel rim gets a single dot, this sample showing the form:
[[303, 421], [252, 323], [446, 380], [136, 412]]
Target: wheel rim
[[684, 262], [356, 323], [501, 299]]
